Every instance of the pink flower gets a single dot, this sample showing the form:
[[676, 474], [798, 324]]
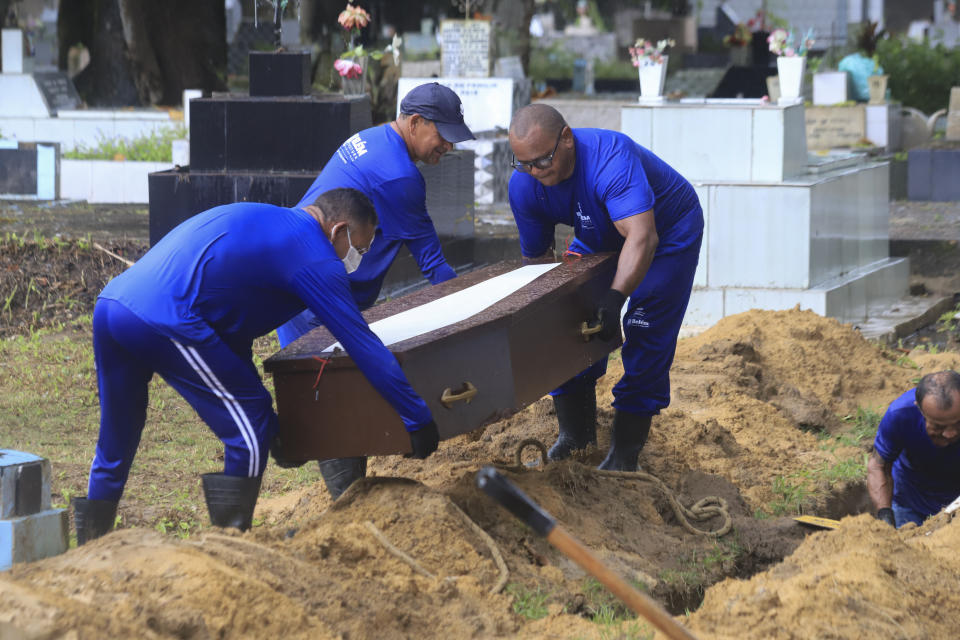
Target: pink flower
[[789, 51], [348, 68], [353, 17]]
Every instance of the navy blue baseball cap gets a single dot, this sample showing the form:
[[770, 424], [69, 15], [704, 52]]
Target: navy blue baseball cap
[[441, 105]]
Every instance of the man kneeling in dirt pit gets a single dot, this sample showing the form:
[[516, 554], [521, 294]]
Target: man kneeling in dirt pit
[[914, 470], [185, 311]]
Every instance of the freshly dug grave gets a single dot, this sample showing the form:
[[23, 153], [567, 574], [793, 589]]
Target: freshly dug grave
[[756, 403]]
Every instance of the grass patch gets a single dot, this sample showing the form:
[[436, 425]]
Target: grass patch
[[615, 620], [799, 490], [527, 602], [49, 406], [699, 569]]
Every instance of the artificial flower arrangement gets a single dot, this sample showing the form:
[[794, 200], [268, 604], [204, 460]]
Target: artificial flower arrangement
[[741, 36], [352, 19], [644, 52], [781, 43]]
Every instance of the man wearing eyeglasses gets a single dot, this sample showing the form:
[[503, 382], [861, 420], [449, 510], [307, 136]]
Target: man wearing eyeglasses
[[914, 470], [380, 163], [618, 196], [189, 311]]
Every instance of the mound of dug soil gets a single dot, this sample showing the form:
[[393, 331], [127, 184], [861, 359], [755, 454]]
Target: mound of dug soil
[[864, 580], [757, 405]]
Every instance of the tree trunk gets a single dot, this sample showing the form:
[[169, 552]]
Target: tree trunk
[[511, 23], [145, 53]]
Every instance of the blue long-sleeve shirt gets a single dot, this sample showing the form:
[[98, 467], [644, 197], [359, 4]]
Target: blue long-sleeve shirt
[[240, 270], [376, 162]]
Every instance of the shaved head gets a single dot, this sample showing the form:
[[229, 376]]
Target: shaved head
[[536, 116]]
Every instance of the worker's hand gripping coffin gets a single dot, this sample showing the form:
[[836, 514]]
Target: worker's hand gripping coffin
[[469, 373]]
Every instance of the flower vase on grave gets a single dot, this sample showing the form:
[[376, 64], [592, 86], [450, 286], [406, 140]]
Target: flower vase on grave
[[353, 78], [652, 77], [877, 86], [790, 73]]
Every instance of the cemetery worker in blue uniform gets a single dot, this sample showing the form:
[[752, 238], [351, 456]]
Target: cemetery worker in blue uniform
[[914, 470], [189, 311], [618, 196], [380, 162]]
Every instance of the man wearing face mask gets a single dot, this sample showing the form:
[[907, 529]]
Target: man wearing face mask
[[380, 162], [189, 311]]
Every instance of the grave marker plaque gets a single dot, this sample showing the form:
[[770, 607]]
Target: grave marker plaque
[[465, 48], [829, 127], [57, 90], [953, 115]]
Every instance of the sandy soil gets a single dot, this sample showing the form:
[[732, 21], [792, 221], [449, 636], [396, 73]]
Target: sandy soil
[[751, 396]]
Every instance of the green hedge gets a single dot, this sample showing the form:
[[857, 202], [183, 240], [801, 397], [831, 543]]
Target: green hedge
[[153, 147], [920, 75]]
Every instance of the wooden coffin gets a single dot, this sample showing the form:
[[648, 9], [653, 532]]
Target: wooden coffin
[[511, 354]]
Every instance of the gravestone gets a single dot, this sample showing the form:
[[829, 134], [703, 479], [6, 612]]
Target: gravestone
[[465, 48], [30, 529], [57, 90], [829, 127], [953, 115]]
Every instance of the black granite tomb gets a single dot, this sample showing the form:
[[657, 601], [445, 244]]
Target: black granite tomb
[[270, 145]]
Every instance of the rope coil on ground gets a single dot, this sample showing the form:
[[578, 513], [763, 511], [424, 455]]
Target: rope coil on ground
[[704, 509]]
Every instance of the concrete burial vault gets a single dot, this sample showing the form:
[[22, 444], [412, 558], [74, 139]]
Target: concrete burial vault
[[476, 348]]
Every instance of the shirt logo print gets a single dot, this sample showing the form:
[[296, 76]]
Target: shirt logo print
[[637, 318], [585, 221], [353, 148]]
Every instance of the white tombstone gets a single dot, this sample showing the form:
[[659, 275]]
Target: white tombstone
[[188, 95], [830, 87], [465, 48], [12, 51]]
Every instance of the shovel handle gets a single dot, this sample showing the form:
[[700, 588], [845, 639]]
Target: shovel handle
[[509, 496], [641, 604], [491, 482]]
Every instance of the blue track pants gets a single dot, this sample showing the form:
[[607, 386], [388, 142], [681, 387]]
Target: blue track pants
[[222, 386], [651, 324]]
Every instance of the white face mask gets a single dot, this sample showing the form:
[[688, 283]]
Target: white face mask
[[351, 261]]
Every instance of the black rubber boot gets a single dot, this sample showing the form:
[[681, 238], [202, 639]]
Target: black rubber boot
[[93, 518], [577, 419], [230, 499], [339, 473], [630, 433]]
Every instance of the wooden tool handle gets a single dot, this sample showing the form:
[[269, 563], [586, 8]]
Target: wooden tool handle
[[643, 605], [448, 397]]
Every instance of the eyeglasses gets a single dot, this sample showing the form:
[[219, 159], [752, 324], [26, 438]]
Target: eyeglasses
[[350, 242], [542, 163]]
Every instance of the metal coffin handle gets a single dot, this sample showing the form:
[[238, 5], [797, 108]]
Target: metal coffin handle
[[448, 397], [586, 330]]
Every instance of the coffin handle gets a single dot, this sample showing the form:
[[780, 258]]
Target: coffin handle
[[586, 330], [448, 397]]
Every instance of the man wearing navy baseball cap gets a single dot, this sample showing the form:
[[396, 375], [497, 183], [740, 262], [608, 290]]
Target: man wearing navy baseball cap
[[380, 163]]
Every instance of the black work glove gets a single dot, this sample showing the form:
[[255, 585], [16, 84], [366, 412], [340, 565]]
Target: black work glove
[[424, 441], [282, 462], [886, 515], [608, 314]]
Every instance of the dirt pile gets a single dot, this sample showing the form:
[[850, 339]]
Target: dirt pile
[[755, 414], [862, 580]]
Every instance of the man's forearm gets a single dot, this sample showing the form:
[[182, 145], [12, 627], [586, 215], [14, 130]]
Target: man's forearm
[[635, 258], [879, 481]]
